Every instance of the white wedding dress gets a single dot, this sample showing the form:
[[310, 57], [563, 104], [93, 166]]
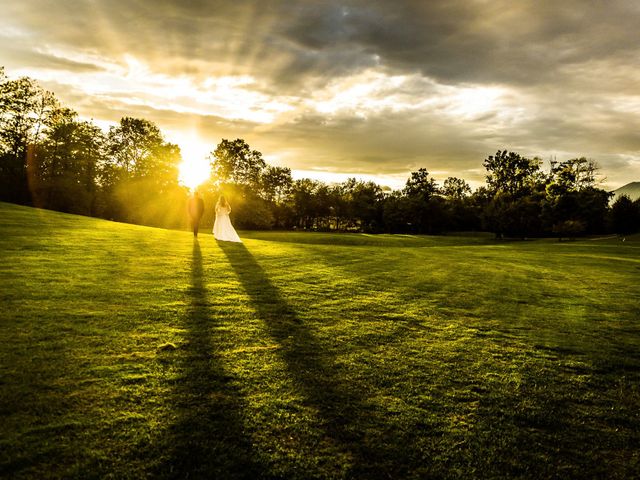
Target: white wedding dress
[[222, 228]]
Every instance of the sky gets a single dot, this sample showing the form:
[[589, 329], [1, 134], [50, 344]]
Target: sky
[[373, 89]]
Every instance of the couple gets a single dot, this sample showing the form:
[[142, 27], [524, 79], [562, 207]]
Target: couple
[[222, 228]]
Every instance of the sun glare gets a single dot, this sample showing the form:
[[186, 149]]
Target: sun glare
[[194, 172], [195, 168], [467, 102]]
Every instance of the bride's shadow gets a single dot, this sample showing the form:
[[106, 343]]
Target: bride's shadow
[[340, 405], [207, 439]]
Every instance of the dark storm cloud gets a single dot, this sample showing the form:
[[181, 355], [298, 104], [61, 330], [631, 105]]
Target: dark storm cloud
[[567, 72], [465, 41], [452, 41]]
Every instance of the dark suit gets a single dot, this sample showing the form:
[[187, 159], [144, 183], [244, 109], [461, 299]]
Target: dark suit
[[196, 209]]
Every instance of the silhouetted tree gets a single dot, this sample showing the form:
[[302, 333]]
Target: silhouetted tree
[[310, 200], [24, 107], [515, 217], [461, 212], [508, 172], [47, 154], [421, 185], [516, 186], [63, 172], [425, 208], [134, 145], [455, 189], [572, 176], [234, 161], [625, 216], [572, 198], [395, 213], [275, 183], [275, 186], [569, 229], [362, 207]]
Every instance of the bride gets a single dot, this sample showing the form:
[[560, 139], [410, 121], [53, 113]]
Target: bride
[[222, 228]]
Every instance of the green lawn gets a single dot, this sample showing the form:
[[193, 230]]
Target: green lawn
[[131, 352]]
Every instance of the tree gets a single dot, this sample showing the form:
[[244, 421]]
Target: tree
[[250, 211], [594, 208], [275, 183], [514, 217], [24, 107], [625, 216], [516, 187], [310, 201], [360, 204], [234, 161], [508, 172], [134, 145], [423, 207], [420, 185], [139, 178], [64, 169], [455, 188], [569, 229], [572, 176], [461, 213], [572, 196], [242, 174], [395, 213]]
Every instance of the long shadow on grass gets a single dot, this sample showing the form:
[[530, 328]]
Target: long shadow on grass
[[207, 440], [344, 417]]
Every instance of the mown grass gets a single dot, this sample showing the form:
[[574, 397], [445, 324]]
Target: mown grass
[[132, 352]]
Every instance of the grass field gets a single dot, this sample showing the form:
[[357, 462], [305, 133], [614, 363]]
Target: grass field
[[133, 352]]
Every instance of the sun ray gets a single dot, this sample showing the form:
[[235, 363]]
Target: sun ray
[[195, 168]]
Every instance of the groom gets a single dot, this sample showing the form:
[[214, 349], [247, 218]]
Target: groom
[[196, 209]]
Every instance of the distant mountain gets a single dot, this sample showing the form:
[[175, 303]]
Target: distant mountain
[[631, 190]]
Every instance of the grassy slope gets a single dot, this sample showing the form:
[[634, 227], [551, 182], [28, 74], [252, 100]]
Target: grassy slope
[[313, 355]]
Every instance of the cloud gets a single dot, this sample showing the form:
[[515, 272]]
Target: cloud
[[371, 86], [451, 41]]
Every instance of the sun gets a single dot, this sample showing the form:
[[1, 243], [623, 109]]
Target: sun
[[194, 172], [195, 168]]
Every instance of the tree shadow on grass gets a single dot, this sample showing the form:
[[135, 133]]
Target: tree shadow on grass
[[207, 440], [345, 418]]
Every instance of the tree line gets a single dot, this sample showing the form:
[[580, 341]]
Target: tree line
[[51, 159]]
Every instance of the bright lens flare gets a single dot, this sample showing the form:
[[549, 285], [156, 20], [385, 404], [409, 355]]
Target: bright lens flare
[[194, 172]]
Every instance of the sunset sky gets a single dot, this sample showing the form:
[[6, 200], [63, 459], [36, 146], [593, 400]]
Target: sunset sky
[[373, 89]]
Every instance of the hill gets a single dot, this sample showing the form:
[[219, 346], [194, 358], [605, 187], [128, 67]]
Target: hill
[[632, 190], [134, 352]]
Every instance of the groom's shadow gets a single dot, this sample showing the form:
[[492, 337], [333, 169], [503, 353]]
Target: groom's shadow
[[207, 438], [341, 407]]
